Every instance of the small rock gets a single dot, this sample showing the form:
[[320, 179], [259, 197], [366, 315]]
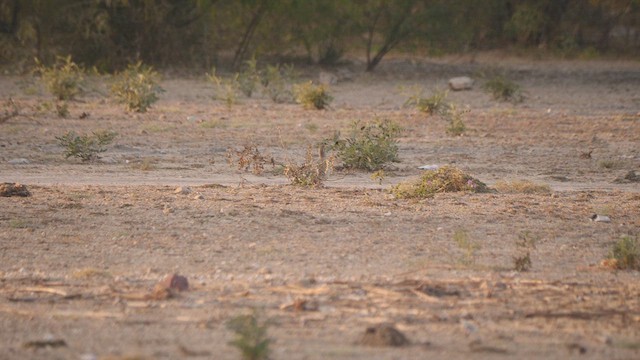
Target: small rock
[[429, 167], [327, 78], [198, 197], [600, 218], [19, 161], [460, 83], [383, 335], [13, 189], [184, 190], [167, 209]]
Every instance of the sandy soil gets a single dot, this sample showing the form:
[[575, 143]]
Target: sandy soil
[[80, 257]]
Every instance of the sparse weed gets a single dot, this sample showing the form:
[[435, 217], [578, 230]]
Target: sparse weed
[[250, 337], [312, 96], [86, 147], [469, 248], [63, 79], [312, 172], [249, 158], [137, 87], [444, 179], [521, 187], [369, 146], [625, 254], [503, 89]]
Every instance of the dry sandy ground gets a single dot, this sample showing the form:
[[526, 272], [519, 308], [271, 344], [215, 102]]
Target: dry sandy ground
[[80, 256]]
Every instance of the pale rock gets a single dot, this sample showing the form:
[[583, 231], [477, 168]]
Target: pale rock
[[19, 161]]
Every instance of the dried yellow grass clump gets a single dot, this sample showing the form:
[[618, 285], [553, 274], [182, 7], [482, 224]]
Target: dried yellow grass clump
[[444, 179], [522, 187]]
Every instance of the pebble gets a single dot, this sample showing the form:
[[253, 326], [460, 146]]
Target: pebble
[[198, 197], [460, 83]]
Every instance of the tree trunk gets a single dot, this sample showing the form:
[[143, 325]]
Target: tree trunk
[[248, 35]]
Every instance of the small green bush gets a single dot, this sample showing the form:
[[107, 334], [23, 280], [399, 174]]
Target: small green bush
[[63, 79], [137, 87], [503, 89], [312, 96], [626, 253], [469, 248], [250, 337], [86, 147], [444, 179], [369, 146]]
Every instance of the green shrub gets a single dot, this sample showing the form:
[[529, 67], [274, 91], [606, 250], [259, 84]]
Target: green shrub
[[86, 147], [369, 146], [626, 253], [312, 96], [137, 87], [444, 179], [250, 337], [503, 89], [63, 79]]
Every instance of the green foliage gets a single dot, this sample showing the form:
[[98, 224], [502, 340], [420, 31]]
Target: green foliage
[[626, 253], [503, 89], [250, 337], [444, 179], [312, 96], [86, 147], [63, 79], [137, 87], [369, 146]]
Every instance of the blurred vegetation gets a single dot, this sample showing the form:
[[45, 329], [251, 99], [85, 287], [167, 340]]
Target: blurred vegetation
[[201, 34]]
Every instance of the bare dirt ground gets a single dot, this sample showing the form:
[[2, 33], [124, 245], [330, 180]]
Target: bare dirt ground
[[78, 256]]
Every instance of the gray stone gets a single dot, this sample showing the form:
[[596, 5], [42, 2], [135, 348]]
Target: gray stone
[[460, 83]]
